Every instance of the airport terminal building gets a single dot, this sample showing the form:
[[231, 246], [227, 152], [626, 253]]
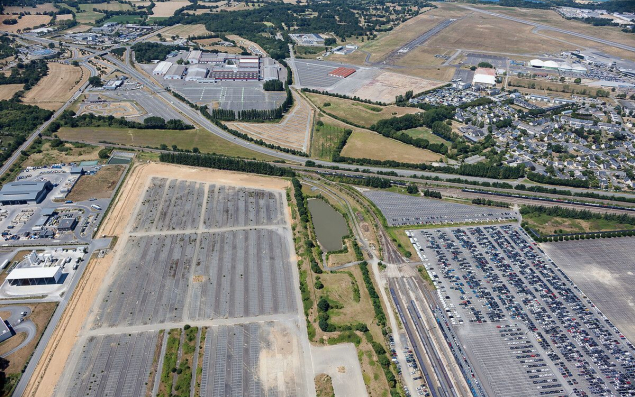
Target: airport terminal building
[[24, 192]]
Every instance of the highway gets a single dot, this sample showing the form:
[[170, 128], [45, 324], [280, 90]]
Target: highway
[[554, 29]]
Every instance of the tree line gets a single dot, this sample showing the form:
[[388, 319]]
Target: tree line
[[146, 52], [549, 180], [572, 213], [225, 163], [28, 74], [68, 118], [273, 85]]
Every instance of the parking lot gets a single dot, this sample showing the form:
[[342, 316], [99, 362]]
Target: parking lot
[[315, 74], [112, 365], [254, 359], [234, 95], [522, 321], [401, 210], [603, 270]]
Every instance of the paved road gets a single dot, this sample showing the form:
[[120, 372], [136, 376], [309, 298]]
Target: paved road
[[554, 29]]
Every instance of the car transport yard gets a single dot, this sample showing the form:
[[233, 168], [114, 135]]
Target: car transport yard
[[522, 325]]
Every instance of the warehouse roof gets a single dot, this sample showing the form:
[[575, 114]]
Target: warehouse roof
[[24, 190], [33, 272]]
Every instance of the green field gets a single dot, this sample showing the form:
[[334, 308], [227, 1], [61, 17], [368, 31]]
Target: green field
[[362, 114], [204, 140], [546, 225], [125, 19], [425, 133], [325, 139]]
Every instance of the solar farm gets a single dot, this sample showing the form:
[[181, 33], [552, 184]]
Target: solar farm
[[401, 210], [197, 253]]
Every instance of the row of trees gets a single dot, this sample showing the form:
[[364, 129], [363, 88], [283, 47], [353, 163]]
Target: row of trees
[[68, 118], [273, 85], [571, 213], [225, 163], [549, 180]]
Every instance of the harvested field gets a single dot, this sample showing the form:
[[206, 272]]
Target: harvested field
[[57, 87], [7, 90], [292, 132], [246, 43], [185, 31], [371, 145], [387, 85], [26, 22], [64, 17], [357, 112], [110, 6], [100, 185], [167, 8], [39, 8], [187, 139]]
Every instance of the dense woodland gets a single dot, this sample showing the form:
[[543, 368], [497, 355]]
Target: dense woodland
[[6, 47], [18, 118], [146, 52]]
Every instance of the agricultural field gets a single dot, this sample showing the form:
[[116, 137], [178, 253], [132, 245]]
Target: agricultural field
[[26, 22], [184, 31], [186, 139], [7, 90], [57, 87], [108, 6], [99, 185], [370, 145], [356, 112], [293, 131], [39, 8], [167, 8], [325, 140]]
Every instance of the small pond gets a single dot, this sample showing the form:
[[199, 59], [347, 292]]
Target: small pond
[[330, 225]]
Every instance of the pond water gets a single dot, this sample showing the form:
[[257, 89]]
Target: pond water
[[330, 225]]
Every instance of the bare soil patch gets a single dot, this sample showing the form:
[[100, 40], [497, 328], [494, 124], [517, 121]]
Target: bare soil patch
[[99, 185], [387, 85], [41, 8]]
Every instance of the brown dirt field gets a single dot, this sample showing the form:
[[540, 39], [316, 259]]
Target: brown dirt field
[[439, 73], [99, 185], [5, 313], [64, 17], [293, 131], [51, 366], [481, 32], [167, 8], [57, 87], [387, 85], [40, 314], [7, 90], [26, 22], [374, 146], [324, 386]]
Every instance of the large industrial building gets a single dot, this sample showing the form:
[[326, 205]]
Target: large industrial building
[[35, 276], [24, 192], [162, 68], [484, 77], [208, 67], [553, 65]]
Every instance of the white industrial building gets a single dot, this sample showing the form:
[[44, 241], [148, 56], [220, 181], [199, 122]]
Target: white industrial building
[[196, 73], [176, 72], [162, 68], [35, 276], [194, 56], [484, 76], [553, 65]]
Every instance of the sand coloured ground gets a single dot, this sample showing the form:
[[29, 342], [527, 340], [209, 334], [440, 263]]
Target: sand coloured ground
[[7, 90], [57, 86], [387, 85], [26, 22], [167, 8], [51, 365]]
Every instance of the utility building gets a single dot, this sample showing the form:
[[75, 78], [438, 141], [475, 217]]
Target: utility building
[[35, 276], [24, 192]]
